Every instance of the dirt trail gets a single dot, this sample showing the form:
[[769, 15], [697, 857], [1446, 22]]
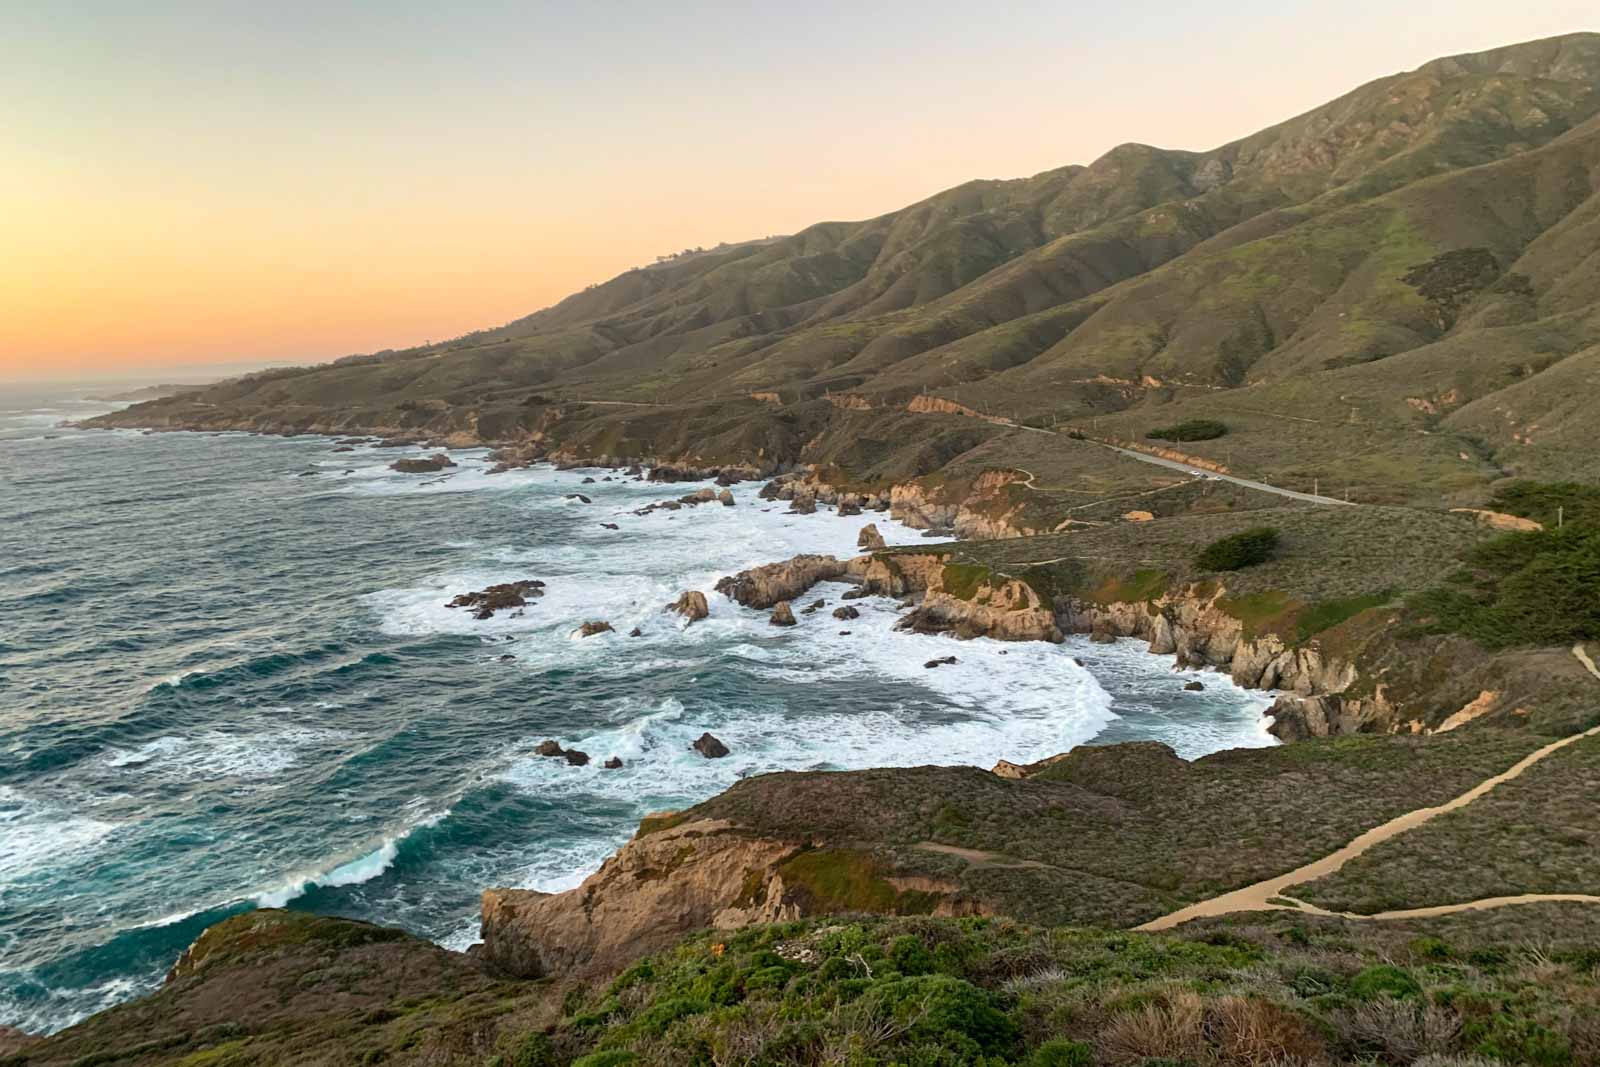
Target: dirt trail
[[1583, 658], [1450, 909], [1260, 897]]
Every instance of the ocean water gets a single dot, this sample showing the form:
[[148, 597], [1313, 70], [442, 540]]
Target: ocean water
[[228, 679]]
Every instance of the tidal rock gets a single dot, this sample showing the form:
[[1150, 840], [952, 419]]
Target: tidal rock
[[580, 498], [436, 462], [635, 632], [345, 448], [549, 748], [589, 629], [844, 633], [848, 506], [612, 764], [1194, 687], [610, 526], [803, 505], [727, 478], [725, 498], [846, 612], [770, 491], [500, 597], [691, 605], [855, 594], [307, 474], [763, 587], [942, 661], [709, 747], [634, 471], [576, 758], [782, 615], [1102, 636], [869, 538], [587, 481]]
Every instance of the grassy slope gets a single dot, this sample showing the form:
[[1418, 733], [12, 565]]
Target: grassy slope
[[877, 992], [1260, 283]]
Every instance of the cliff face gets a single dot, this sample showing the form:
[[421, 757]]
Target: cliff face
[[657, 888], [1192, 624]]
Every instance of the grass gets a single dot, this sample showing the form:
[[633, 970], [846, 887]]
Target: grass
[[1539, 833]]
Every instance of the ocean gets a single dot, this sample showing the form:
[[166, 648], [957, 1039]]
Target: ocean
[[228, 679]]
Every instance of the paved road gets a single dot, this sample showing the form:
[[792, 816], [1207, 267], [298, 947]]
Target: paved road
[[1172, 464]]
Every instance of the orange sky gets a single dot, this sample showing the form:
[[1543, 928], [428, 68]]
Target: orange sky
[[217, 183]]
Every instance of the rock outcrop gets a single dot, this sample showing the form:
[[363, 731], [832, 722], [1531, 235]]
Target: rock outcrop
[[503, 597], [691, 605], [436, 462], [589, 629], [709, 746], [765, 586], [657, 888], [782, 615], [869, 538]]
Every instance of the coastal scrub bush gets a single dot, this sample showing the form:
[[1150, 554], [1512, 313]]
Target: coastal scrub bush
[[1190, 430], [1525, 588], [1237, 551]]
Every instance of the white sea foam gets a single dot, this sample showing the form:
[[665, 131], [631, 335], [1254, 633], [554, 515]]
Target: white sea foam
[[212, 754], [36, 836]]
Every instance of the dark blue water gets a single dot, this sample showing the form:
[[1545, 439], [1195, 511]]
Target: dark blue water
[[224, 684]]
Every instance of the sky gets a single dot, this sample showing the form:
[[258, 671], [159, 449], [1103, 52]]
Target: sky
[[184, 184]]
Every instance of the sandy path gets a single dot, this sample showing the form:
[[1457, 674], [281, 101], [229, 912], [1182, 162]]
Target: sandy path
[[1450, 909], [1258, 897]]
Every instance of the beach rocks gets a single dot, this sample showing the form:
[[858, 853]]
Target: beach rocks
[[691, 605], [579, 497], [610, 526], [725, 498], [635, 632], [587, 481], [612, 764], [854, 594], [549, 748], [1194, 687], [710, 747], [942, 661], [846, 612], [782, 615], [848, 506], [589, 629], [869, 538], [694, 499], [803, 505], [500, 597], [436, 462], [576, 758], [770, 491]]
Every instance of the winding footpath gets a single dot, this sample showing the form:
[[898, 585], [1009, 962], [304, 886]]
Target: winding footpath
[[1269, 895]]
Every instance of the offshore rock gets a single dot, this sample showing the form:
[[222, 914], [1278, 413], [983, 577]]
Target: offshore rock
[[589, 629], [869, 538], [500, 597], [436, 462], [691, 605], [765, 586], [710, 747], [782, 615]]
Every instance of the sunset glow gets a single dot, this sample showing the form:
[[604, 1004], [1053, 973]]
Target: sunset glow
[[300, 182]]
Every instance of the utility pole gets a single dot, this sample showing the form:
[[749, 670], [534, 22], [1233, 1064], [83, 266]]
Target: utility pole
[[1561, 514]]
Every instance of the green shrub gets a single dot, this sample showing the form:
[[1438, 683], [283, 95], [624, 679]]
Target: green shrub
[[910, 956], [1526, 588], [939, 1009], [1062, 1053], [1237, 551], [1384, 980], [534, 1050], [1190, 430], [614, 1057]]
